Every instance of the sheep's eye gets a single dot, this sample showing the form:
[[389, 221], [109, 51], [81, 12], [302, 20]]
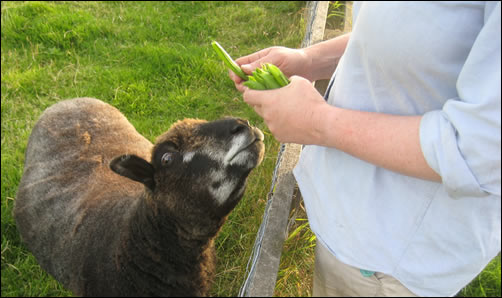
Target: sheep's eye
[[167, 158]]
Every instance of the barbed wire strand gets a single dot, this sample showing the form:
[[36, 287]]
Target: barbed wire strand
[[261, 231], [250, 271]]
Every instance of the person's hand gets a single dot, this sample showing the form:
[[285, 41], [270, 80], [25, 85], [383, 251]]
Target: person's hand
[[290, 61], [293, 114]]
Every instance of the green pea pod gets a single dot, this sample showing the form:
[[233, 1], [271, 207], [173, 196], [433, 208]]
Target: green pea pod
[[277, 73], [257, 77], [229, 62], [269, 80], [254, 85]]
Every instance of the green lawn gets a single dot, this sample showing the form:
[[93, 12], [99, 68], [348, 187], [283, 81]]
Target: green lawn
[[154, 62]]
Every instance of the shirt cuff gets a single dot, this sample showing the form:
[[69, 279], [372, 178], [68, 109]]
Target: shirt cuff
[[438, 140]]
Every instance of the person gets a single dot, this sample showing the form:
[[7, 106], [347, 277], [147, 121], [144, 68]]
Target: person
[[401, 170]]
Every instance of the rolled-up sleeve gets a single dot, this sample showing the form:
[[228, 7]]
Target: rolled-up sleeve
[[461, 142]]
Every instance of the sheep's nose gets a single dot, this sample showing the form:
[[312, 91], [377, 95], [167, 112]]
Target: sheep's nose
[[240, 126]]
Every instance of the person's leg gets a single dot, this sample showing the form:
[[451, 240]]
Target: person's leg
[[334, 278]]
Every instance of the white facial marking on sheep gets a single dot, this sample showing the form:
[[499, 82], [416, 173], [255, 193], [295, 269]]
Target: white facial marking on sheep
[[214, 155], [187, 157], [223, 191], [217, 176], [224, 188], [237, 144], [220, 187], [241, 159]]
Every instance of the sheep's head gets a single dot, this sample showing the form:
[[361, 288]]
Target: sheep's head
[[198, 168]]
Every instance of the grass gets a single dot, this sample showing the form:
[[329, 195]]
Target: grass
[[486, 284], [153, 61]]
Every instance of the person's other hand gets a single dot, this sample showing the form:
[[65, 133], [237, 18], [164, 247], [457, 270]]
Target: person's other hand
[[293, 113]]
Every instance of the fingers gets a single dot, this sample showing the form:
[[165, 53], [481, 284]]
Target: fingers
[[240, 87], [253, 61], [253, 57], [258, 110], [237, 81], [252, 97], [234, 77], [258, 98], [249, 63], [248, 68]]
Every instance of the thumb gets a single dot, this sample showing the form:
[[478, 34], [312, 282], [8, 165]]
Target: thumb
[[248, 68], [254, 97], [299, 81], [295, 78]]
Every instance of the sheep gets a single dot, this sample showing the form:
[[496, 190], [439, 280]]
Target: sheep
[[109, 214]]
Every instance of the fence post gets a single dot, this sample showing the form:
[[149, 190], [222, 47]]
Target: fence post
[[262, 277]]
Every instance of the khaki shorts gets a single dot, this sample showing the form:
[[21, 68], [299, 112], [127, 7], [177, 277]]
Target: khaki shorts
[[336, 279]]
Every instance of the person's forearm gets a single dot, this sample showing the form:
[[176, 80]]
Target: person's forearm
[[388, 141], [297, 113], [325, 56]]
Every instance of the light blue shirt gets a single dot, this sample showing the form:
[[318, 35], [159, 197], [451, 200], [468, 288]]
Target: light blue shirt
[[440, 60]]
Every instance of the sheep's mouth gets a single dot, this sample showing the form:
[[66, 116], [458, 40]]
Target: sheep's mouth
[[257, 137], [247, 147], [252, 145]]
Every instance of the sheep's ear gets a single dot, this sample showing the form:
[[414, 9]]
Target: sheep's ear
[[135, 168]]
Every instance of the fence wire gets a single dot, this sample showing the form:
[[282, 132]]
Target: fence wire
[[250, 268], [251, 265]]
